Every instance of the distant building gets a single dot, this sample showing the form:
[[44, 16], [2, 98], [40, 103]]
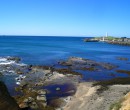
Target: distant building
[[125, 39]]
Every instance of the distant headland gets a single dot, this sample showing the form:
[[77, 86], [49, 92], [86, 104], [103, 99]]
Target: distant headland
[[110, 39]]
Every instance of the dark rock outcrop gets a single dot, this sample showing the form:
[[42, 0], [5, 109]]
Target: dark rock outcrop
[[16, 59], [40, 67], [119, 43], [6, 101], [122, 58], [123, 71], [67, 71], [82, 64]]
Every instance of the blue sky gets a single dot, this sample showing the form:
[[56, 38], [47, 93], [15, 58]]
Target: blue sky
[[65, 17]]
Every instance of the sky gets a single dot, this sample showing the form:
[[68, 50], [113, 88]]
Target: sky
[[65, 17]]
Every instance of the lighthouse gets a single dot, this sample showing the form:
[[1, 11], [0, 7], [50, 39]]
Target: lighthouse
[[106, 34], [103, 39]]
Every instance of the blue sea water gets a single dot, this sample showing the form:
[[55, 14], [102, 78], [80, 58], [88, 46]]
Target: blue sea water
[[48, 50]]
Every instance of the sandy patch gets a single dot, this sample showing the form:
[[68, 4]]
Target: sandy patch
[[86, 97], [126, 102]]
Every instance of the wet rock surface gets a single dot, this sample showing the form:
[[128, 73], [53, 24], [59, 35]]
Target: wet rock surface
[[44, 87], [119, 43], [82, 64], [123, 71], [12, 65], [31, 79], [16, 59], [122, 58], [67, 72]]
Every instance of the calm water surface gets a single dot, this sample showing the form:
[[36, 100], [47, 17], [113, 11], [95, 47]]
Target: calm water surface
[[49, 50]]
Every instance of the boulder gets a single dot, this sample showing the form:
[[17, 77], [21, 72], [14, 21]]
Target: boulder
[[30, 99], [41, 92], [25, 100], [43, 104], [23, 105], [28, 103], [18, 71], [33, 106], [58, 89]]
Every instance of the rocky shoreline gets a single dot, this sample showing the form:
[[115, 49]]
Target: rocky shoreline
[[31, 80], [110, 39], [119, 43], [48, 87]]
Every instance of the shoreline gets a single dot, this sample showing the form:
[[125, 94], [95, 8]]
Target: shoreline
[[119, 43], [64, 87], [110, 40]]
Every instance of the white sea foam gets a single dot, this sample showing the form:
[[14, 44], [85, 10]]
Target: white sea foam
[[21, 64], [4, 61], [11, 71], [18, 83], [19, 79], [7, 63]]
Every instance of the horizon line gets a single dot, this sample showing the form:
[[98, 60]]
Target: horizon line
[[45, 35]]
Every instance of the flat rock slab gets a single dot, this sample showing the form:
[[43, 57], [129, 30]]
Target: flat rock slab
[[86, 97], [80, 63]]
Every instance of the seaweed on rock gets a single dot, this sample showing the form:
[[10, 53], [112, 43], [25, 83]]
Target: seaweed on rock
[[105, 84]]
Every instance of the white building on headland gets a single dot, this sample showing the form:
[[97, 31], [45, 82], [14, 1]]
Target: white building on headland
[[125, 39], [103, 38]]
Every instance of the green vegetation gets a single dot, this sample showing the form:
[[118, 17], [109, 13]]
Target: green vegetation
[[109, 38]]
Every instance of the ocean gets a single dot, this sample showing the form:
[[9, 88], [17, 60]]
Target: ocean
[[48, 50]]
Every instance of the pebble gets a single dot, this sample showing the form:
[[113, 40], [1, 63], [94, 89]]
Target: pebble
[[41, 98], [41, 92], [57, 88]]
